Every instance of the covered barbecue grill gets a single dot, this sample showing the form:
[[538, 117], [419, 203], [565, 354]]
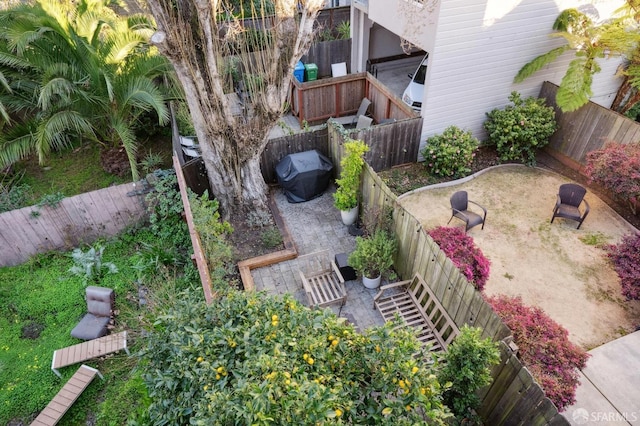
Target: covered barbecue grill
[[304, 176]]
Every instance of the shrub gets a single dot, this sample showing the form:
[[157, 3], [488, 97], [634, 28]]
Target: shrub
[[460, 248], [519, 130], [544, 347], [451, 153], [626, 261], [212, 230], [467, 365], [373, 255], [617, 168], [90, 266], [253, 359], [346, 196], [165, 210]]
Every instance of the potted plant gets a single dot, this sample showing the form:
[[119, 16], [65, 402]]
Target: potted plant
[[373, 256], [346, 196]]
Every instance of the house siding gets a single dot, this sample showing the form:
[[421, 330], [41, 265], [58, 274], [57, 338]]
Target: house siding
[[473, 59], [473, 65]]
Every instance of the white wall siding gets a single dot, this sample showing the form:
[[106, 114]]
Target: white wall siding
[[472, 65]]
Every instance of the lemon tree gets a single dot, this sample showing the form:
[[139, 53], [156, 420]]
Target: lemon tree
[[253, 359]]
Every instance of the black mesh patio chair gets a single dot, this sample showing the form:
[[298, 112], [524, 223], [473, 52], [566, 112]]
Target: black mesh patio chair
[[570, 196], [460, 209]]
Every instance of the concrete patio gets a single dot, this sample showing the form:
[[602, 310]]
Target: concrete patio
[[315, 225]]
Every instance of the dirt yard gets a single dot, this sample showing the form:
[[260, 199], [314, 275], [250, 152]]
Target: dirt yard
[[553, 266]]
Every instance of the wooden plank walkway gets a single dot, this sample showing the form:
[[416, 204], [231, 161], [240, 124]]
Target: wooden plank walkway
[[64, 399], [88, 350]]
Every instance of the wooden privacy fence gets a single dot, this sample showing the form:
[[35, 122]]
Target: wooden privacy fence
[[278, 148], [389, 144], [325, 53], [316, 101], [586, 129], [513, 397], [76, 220]]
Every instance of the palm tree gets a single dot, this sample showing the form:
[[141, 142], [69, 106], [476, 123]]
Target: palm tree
[[76, 70], [590, 42]]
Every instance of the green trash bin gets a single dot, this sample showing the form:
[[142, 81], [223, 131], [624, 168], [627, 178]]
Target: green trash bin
[[310, 72]]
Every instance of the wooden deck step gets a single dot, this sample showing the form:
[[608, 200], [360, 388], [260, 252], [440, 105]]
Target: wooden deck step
[[65, 398], [88, 350]]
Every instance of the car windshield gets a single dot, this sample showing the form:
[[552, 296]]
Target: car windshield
[[420, 74]]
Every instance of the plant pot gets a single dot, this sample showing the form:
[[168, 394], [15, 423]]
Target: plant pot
[[349, 216], [356, 229], [371, 282]]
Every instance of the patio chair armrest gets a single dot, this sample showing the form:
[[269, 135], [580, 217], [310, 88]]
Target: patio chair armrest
[[461, 213], [586, 208], [337, 271], [483, 209], [388, 286]]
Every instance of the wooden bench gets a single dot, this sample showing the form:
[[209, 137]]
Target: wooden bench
[[64, 399], [88, 350], [418, 307]]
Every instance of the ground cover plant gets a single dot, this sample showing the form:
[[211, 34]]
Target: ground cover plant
[[543, 347], [626, 261], [460, 248]]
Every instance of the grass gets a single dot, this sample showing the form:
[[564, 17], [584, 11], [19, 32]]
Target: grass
[[77, 170], [42, 295]]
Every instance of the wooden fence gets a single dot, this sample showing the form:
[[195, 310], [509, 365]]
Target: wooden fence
[[278, 148], [325, 53], [586, 129], [316, 101], [389, 144], [76, 220]]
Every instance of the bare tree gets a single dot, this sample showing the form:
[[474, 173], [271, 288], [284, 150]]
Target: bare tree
[[212, 50]]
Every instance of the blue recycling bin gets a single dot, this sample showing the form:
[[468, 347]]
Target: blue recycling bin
[[298, 71]]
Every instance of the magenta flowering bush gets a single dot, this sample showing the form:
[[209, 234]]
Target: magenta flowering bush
[[543, 347], [451, 153], [617, 168], [460, 248], [626, 261]]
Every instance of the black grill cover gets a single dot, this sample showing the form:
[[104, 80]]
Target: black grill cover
[[304, 175]]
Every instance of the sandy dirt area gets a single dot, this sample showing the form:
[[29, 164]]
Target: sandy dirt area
[[548, 265]]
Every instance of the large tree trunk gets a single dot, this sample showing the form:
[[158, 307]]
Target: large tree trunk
[[198, 44]]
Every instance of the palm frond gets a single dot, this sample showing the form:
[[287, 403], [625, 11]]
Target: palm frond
[[55, 131], [16, 143], [142, 93], [127, 138], [575, 88], [535, 65]]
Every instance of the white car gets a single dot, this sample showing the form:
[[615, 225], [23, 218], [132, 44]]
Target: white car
[[412, 95]]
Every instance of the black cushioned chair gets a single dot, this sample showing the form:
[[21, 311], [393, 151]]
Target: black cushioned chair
[[570, 196], [99, 306], [460, 209]]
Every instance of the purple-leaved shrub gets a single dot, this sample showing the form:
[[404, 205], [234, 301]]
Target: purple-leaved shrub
[[460, 248], [543, 347], [626, 261]]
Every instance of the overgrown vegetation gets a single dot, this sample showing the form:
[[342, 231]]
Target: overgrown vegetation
[[460, 248], [625, 257], [543, 347], [89, 265], [250, 358], [617, 168], [451, 153], [519, 130], [346, 195]]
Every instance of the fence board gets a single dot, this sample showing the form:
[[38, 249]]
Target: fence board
[[504, 401], [586, 129], [78, 219]]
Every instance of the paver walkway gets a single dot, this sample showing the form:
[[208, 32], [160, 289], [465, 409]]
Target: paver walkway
[[316, 225]]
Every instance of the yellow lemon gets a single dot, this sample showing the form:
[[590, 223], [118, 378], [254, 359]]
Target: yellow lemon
[[401, 383], [205, 387], [310, 361], [199, 359], [387, 411], [305, 356], [408, 407], [414, 370], [338, 412], [334, 342], [274, 318], [220, 369]]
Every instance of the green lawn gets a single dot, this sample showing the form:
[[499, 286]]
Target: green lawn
[[42, 296]]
